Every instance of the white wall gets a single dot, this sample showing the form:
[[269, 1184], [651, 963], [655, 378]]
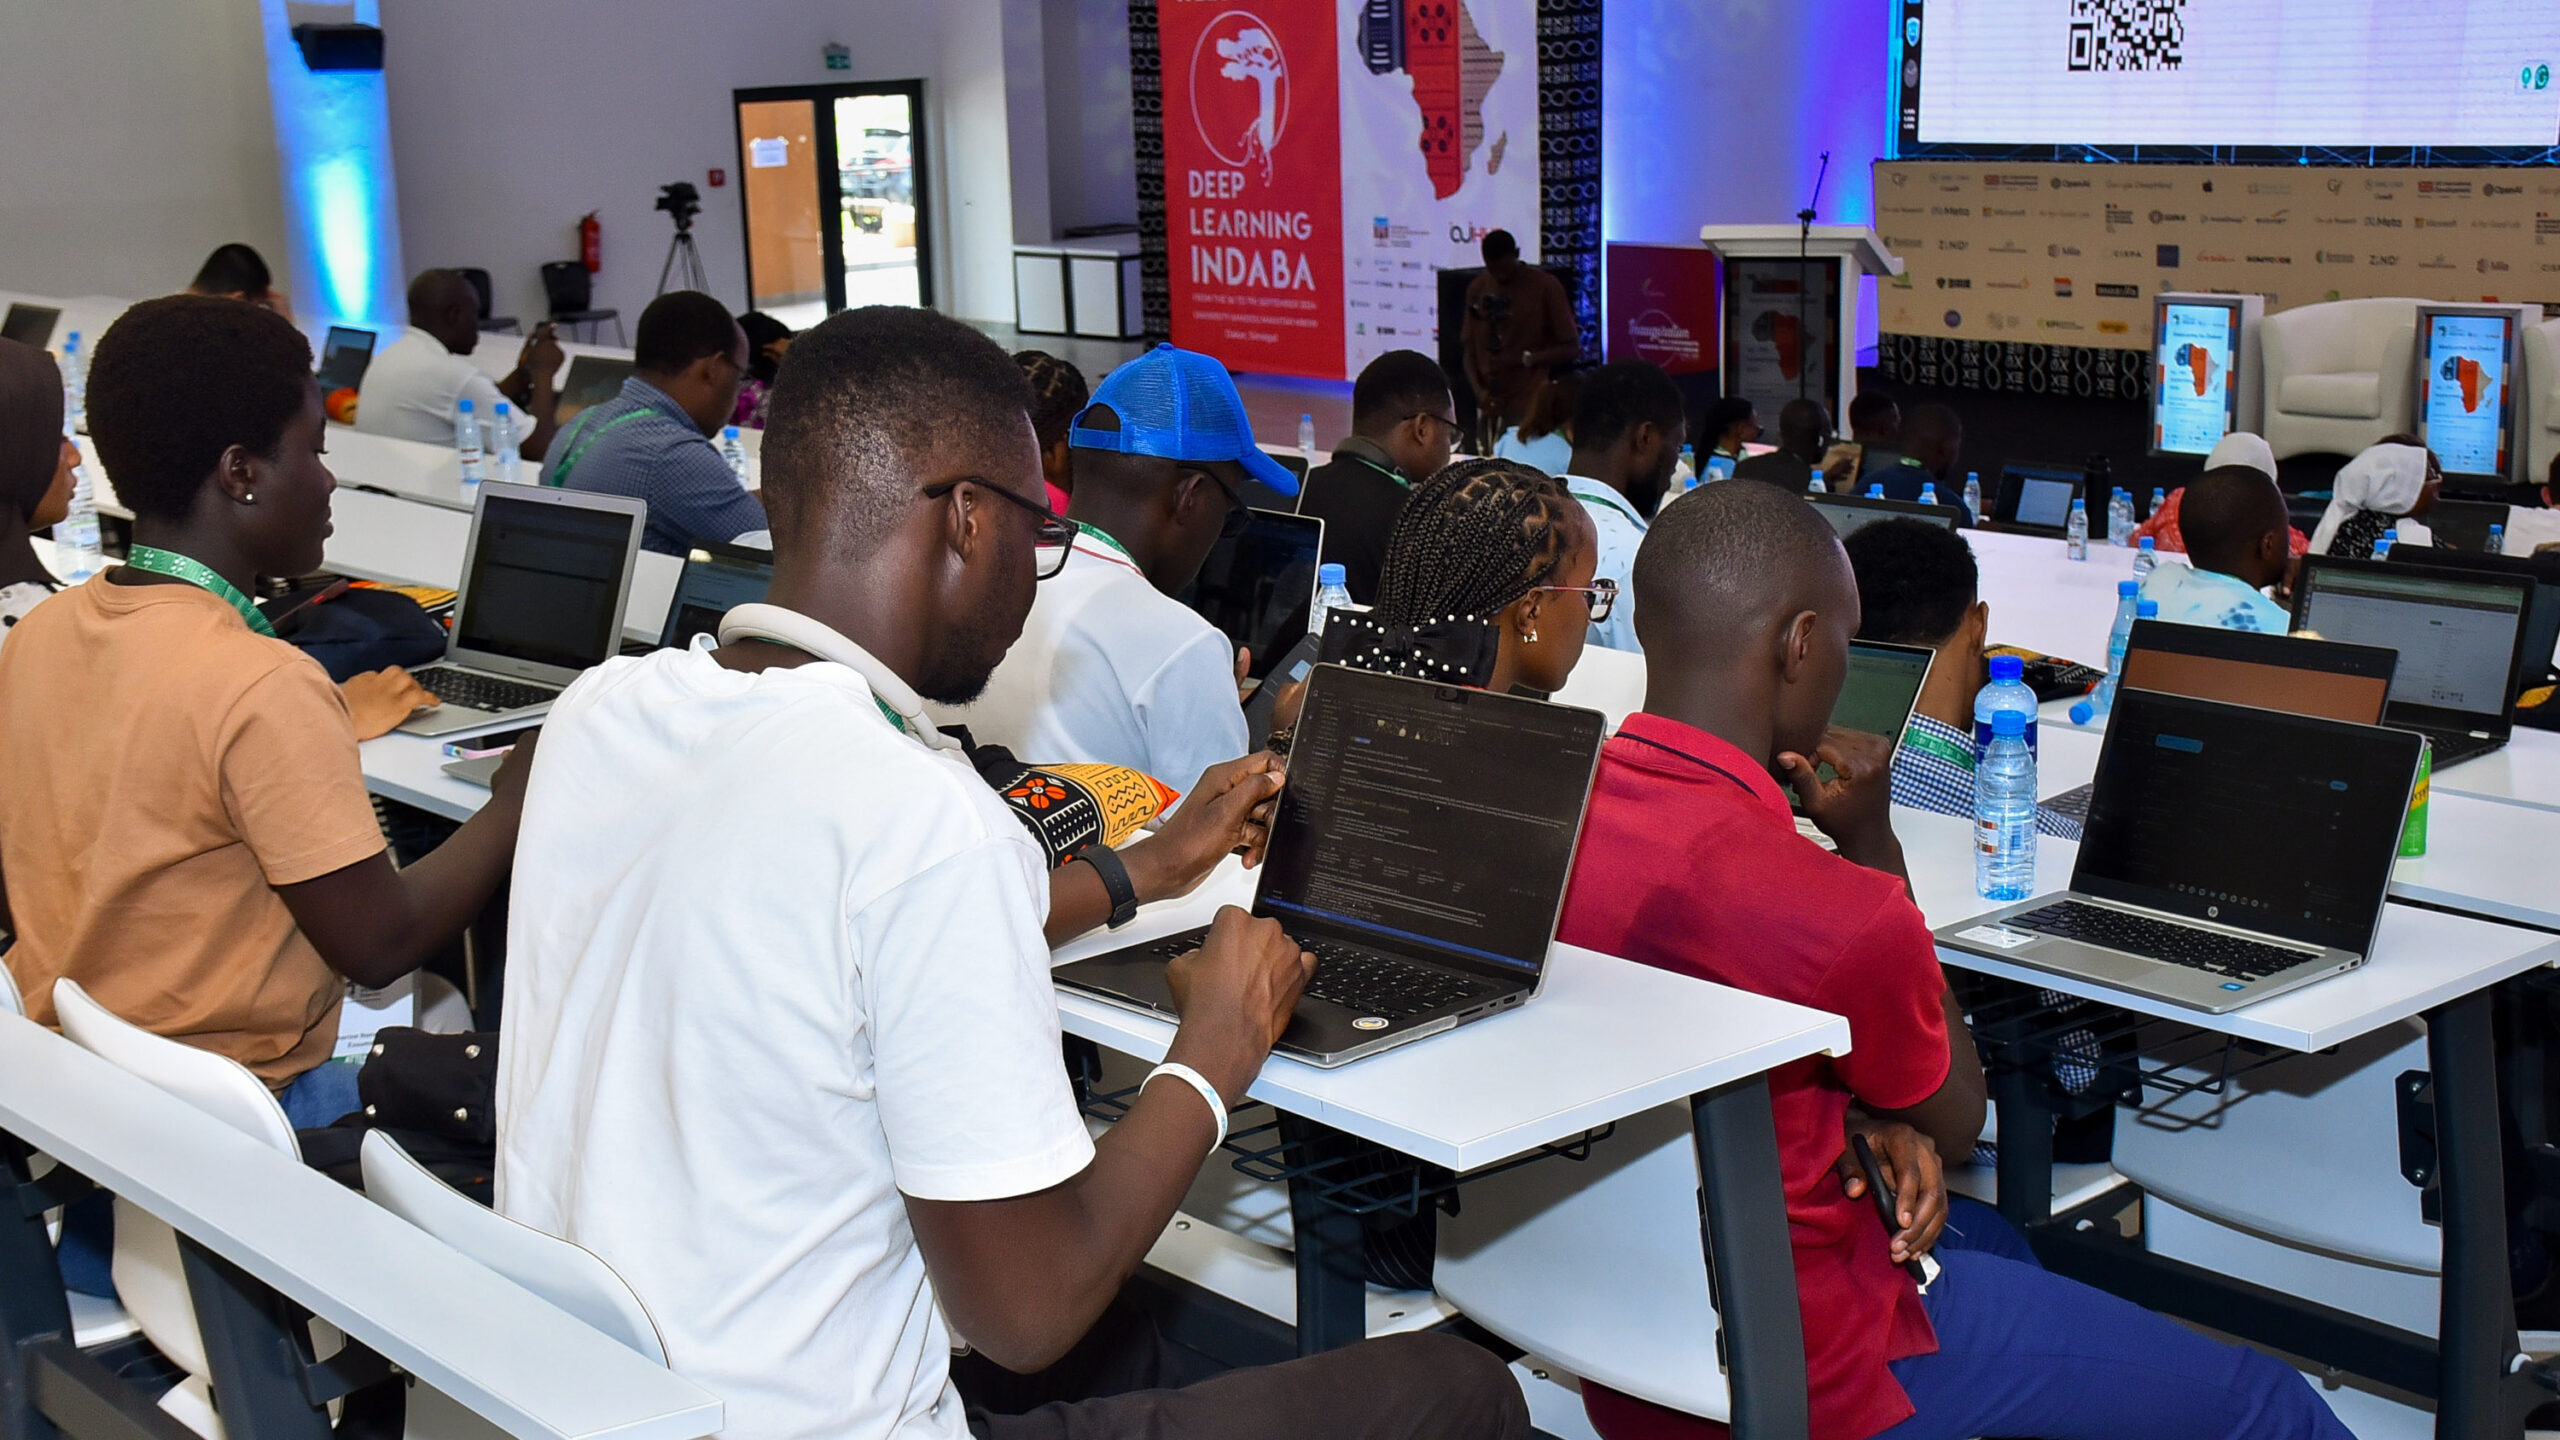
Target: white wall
[[511, 121], [134, 137], [1092, 142]]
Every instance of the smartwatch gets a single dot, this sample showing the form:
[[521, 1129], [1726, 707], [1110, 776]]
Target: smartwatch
[[1106, 863]]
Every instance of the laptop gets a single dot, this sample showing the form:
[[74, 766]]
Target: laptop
[[2035, 499], [2541, 617], [1427, 895], [1263, 497], [1849, 514], [544, 582], [344, 357], [1260, 587], [592, 380], [2231, 854], [716, 579], [2460, 636], [2463, 525], [1884, 683], [29, 324]]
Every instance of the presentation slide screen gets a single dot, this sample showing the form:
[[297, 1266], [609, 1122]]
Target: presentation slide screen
[[2197, 398], [2464, 408], [2230, 72]]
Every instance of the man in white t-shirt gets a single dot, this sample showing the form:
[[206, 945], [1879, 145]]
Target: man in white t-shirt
[[1628, 427], [415, 384], [1110, 667], [780, 1043]]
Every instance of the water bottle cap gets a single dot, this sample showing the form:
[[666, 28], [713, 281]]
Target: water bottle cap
[[1309, 418], [2008, 722], [502, 407], [2146, 609], [2496, 528], [1875, 492], [2082, 712], [1331, 574], [464, 406], [728, 432], [2007, 667], [2079, 504], [1971, 476], [2127, 587], [2147, 544]]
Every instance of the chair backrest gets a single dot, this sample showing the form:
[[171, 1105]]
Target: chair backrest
[[479, 286], [564, 1274], [1609, 681], [10, 999], [567, 285], [216, 1084], [1597, 1265], [2339, 335]]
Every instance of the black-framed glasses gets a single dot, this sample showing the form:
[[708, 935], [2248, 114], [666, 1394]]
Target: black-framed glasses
[[1600, 595], [1239, 511], [1054, 539], [1448, 423]]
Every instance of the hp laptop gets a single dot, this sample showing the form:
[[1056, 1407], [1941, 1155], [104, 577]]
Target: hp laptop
[[1884, 683], [2541, 618], [29, 324], [1420, 852], [1260, 587], [344, 357], [2036, 499], [2230, 854], [716, 578], [1849, 514], [544, 582], [592, 380], [2460, 637]]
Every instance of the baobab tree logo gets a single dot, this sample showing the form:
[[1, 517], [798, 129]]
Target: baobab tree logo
[[1240, 91]]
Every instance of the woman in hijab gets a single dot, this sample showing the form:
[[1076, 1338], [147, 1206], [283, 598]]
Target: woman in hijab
[[36, 459], [2391, 481], [2237, 448]]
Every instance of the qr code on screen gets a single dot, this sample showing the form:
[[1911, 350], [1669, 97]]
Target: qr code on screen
[[2128, 34]]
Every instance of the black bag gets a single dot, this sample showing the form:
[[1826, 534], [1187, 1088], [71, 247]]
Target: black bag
[[360, 630], [435, 1094]]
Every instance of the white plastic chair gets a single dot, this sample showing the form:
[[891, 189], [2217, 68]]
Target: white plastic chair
[[150, 1279], [2337, 374], [10, 999], [2540, 418], [1609, 681]]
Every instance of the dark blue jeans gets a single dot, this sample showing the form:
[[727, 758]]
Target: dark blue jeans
[[2023, 1352]]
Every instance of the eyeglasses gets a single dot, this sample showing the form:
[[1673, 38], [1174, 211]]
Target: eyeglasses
[[1600, 595], [1239, 513], [1444, 421], [1051, 543]]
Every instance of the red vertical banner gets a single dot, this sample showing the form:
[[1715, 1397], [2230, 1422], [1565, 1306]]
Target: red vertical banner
[[1662, 306], [1253, 183]]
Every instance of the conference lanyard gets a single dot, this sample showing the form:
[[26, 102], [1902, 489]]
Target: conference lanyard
[[1612, 499], [559, 474], [197, 573], [1105, 537], [1930, 743], [1395, 475]]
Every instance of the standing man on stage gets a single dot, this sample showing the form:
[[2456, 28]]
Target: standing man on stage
[[1519, 327]]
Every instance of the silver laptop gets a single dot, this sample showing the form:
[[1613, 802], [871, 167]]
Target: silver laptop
[[544, 582], [2230, 854], [1420, 853]]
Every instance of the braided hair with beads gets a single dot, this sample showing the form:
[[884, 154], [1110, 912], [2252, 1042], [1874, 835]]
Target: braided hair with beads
[[1473, 539], [1058, 391]]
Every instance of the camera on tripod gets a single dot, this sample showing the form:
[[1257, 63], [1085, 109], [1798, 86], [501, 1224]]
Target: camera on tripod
[[680, 201]]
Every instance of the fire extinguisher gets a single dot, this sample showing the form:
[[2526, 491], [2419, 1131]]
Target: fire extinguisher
[[591, 243]]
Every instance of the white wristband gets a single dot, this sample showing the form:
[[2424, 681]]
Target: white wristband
[[1208, 1092]]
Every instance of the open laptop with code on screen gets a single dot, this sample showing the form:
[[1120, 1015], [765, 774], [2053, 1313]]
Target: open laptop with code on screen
[[2460, 638], [1420, 851]]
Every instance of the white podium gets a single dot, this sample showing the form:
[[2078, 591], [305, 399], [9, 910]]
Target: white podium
[[1791, 310]]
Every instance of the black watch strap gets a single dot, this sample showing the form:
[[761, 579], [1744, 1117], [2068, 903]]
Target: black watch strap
[[1106, 863]]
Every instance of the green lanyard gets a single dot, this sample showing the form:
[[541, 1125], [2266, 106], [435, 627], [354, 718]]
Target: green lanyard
[[1613, 500], [559, 474], [196, 572], [1931, 743], [1395, 475], [1104, 536]]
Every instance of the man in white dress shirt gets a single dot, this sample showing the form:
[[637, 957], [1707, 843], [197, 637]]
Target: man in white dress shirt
[[415, 383]]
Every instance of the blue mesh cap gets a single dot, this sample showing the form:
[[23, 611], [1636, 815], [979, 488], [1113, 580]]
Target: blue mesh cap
[[1179, 405]]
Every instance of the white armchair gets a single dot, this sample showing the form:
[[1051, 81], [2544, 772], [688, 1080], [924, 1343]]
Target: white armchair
[[2337, 375], [2540, 417]]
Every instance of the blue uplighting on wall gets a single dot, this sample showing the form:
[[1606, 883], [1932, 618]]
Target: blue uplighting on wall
[[333, 154]]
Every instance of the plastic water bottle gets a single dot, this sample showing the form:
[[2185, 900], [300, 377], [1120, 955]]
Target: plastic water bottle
[[1719, 467], [1875, 492], [2146, 556], [2382, 546], [75, 386], [466, 441], [1331, 591], [733, 449], [2159, 502], [2004, 812], [2007, 691], [1815, 485], [1684, 476], [1307, 436], [1973, 495], [2119, 639], [75, 536], [1928, 492], [2120, 518], [506, 463], [2075, 531], [2497, 540]]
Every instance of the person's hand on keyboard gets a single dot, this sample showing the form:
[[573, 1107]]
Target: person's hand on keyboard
[[1228, 811], [1855, 808], [380, 700], [1235, 994]]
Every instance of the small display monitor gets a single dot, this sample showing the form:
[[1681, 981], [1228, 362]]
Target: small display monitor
[[1260, 586], [2195, 397], [2037, 498], [29, 324], [593, 379], [2466, 395], [344, 357]]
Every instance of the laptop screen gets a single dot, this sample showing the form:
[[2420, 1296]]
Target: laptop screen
[[2282, 824], [2043, 496], [1884, 680], [2542, 612], [1259, 587], [715, 581], [1431, 814], [2277, 672], [344, 358], [2456, 634], [1849, 514], [544, 583], [593, 379], [29, 324]]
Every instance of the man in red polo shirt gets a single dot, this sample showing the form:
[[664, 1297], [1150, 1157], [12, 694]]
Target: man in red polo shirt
[[1691, 861]]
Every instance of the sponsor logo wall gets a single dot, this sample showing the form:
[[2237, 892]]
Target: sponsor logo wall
[[2060, 255]]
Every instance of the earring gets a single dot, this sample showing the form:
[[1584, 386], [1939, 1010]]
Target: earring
[[1529, 636], [249, 499]]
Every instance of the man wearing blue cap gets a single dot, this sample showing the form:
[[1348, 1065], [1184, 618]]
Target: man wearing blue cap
[[1110, 667]]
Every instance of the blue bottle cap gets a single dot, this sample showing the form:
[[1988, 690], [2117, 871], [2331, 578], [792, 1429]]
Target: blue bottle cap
[[2077, 503], [1332, 574], [2009, 722], [2146, 609], [2082, 712], [2007, 667], [2147, 545], [2127, 587], [464, 407]]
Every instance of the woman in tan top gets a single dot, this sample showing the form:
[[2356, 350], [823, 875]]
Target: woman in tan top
[[184, 827]]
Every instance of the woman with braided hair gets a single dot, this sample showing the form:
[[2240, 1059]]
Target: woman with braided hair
[[1058, 391], [1488, 581]]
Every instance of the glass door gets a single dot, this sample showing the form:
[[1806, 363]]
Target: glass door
[[835, 191]]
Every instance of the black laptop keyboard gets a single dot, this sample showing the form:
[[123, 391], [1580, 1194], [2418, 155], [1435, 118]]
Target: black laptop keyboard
[[2185, 945], [474, 691], [1365, 981], [2455, 746]]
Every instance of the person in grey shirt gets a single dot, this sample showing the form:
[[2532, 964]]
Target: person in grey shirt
[[654, 440]]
